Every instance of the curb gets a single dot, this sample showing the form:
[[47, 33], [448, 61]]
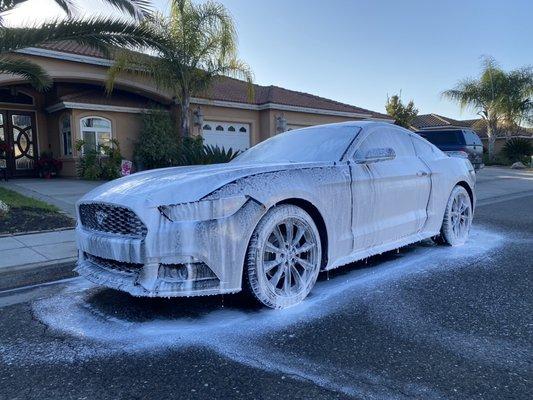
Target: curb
[[30, 274], [71, 228]]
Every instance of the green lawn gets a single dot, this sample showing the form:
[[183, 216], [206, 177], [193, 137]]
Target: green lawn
[[14, 199], [29, 215]]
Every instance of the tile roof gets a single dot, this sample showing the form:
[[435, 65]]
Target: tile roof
[[435, 120], [229, 89], [234, 90], [479, 125]]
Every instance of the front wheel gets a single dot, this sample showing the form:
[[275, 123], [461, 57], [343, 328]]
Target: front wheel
[[457, 217], [284, 257]]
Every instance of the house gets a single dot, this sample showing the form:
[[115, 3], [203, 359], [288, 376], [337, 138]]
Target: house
[[76, 107], [435, 121]]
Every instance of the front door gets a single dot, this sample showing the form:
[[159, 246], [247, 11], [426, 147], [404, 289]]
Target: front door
[[17, 130], [390, 196]]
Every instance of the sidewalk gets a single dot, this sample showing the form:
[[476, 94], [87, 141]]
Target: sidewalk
[[37, 249]]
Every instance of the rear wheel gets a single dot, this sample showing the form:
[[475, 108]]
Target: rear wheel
[[284, 257], [457, 217]]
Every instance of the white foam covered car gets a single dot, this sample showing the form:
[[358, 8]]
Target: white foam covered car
[[303, 201]]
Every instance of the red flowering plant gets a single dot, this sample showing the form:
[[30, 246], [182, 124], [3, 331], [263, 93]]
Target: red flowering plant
[[47, 165]]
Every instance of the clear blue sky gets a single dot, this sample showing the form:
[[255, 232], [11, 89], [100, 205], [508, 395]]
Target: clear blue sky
[[359, 51]]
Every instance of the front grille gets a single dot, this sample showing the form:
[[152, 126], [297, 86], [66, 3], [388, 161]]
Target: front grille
[[113, 264], [111, 219]]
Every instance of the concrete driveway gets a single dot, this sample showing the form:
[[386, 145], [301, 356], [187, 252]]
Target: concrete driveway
[[61, 192]]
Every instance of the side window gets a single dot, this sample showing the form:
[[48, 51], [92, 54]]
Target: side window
[[399, 141], [472, 138], [424, 149]]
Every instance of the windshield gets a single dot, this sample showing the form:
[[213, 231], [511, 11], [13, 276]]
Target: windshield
[[321, 143]]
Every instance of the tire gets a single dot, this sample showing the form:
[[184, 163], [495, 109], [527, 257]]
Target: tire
[[283, 258], [457, 217]]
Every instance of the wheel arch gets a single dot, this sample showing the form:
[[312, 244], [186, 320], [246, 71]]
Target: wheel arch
[[469, 191], [318, 219]]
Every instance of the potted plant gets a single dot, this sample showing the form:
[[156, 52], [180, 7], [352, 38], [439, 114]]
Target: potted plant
[[48, 166]]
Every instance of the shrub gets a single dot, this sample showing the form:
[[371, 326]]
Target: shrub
[[160, 146], [499, 159], [194, 152], [157, 146], [216, 155], [47, 165], [101, 164], [518, 149]]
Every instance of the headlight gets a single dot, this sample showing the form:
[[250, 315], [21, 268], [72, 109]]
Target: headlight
[[203, 210]]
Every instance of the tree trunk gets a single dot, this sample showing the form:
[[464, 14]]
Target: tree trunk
[[175, 116], [184, 115], [491, 134]]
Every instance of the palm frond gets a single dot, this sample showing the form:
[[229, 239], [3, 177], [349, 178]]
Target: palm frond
[[159, 70], [66, 5], [138, 9], [95, 32], [31, 72]]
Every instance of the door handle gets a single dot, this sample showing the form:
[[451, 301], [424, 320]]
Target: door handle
[[421, 173]]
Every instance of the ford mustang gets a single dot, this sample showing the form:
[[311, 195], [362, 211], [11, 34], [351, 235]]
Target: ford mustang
[[269, 221]]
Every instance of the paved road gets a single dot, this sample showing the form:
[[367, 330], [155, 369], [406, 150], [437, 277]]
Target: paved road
[[427, 322]]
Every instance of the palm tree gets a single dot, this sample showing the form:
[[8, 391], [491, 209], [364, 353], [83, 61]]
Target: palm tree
[[501, 98], [95, 32], [198, 45]]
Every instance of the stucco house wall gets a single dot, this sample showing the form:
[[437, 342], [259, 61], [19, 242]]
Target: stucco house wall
[[78, 91]]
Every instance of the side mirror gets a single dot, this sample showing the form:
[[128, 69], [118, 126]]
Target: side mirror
[[375, 155]]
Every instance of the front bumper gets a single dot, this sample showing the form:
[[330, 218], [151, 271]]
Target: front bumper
[[136, 279], [174, 259]]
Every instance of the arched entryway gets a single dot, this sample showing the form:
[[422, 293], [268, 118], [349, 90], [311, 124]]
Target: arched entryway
[[17, 131]]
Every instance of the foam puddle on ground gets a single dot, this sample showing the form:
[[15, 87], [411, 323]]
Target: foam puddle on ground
[[93, 330]]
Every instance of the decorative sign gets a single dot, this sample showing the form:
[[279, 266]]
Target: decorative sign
[[126, 167]]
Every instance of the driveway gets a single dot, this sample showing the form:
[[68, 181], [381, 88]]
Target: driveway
[[427, 322], [503, 183]]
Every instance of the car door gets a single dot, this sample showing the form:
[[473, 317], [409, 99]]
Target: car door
[[390, 196]]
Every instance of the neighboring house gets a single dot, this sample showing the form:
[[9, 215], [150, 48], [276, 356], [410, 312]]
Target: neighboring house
[[435, 121], [76, 107]]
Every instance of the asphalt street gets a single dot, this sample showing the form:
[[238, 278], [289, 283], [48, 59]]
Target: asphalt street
[[427, 321]]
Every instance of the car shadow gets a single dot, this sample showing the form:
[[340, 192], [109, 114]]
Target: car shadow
[[115, 304]]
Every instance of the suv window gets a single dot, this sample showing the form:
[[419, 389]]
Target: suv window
[[443, 137], [472, 138]]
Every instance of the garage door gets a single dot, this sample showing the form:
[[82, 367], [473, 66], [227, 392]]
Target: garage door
[[227, 135]]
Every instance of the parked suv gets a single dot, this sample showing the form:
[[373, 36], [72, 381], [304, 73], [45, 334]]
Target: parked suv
[[457, 143]]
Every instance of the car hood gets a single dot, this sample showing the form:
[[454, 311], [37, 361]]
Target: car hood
[[179, 184]]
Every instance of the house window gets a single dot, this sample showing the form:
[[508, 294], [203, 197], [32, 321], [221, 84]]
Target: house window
[[242, 129], [95, 132], [66, 135], [231, 129], [207, 127], [219, 128]]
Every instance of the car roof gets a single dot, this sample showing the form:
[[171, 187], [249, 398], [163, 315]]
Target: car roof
[[356, 124]]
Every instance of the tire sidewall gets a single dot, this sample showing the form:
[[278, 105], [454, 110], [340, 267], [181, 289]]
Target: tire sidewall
[[447, 228], [255, 278]]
